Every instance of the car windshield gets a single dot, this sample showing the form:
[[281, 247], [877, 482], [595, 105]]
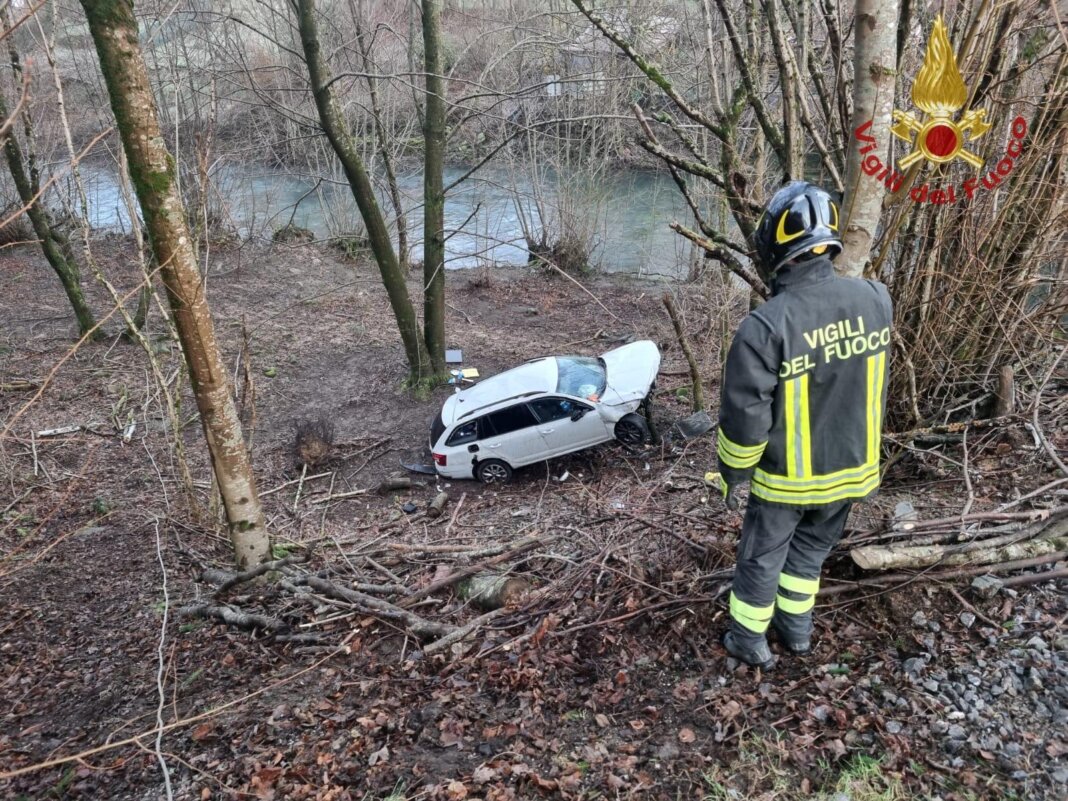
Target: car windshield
[[581, 376]]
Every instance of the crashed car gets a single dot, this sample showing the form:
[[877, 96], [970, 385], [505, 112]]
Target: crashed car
[[545, 408]]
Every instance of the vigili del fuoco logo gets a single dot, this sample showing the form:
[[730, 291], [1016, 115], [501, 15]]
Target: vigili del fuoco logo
[[938, 136]]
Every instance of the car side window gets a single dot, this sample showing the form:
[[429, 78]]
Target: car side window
[[464, 434], [511, 419], [550, 409]]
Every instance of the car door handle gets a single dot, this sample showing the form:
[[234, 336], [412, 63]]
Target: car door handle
[[494, 445], [546, 430]]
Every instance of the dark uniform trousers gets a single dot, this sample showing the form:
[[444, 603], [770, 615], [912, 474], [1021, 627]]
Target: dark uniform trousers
[[779, 558]]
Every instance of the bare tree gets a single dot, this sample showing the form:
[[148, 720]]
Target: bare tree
[[115, 35], [433, 189], [24, 173], [337, 131], [874, 76]]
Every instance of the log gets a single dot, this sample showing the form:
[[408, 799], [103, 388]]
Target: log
[[521, 547], [437, 506], [491, 591], [395, 483], [1033, 541]]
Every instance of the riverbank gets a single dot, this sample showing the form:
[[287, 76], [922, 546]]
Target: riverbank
[[611, 684]]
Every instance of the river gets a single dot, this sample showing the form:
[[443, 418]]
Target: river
[[627, 213]]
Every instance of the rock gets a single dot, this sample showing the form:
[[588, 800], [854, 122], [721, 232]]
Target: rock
[[1033, 682], [986, 586], [939, 727], [1037, 643], [956, 732], [1012, 750], [967, 619], [893, 727], [1060, 776], [919, 619], [915, 666], [931, 686]]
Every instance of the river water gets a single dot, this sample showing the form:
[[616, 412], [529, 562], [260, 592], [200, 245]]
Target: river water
[[626, 214]]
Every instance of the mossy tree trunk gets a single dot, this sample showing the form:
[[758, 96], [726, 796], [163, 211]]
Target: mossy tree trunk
[[114, 31], [874, 75], [433, 192], [337, 131], [53, 243]]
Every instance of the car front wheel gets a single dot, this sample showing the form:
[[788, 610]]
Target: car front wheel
[[632, 430], [493, 471]]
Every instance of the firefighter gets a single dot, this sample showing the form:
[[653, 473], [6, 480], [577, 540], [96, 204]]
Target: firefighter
[[801, 413]]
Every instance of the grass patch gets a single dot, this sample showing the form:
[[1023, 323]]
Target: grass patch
[[762, 771]]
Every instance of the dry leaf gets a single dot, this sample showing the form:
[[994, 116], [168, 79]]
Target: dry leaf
[[637, 725], [686, 735], [601, 720], [203, 731], [457, 790]]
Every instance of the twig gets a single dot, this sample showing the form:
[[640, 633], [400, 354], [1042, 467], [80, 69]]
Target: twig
[[280, 487], [463, 632], [162, 664], [340, 496], [376, 607], [455, 513], [300, 486]]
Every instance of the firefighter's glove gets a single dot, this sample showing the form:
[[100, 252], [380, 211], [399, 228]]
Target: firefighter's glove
[[730, 496], [729, 491]]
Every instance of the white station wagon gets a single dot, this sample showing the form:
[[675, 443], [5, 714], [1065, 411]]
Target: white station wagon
[[545, 408]]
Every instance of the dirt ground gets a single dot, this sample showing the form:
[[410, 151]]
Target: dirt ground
[[608, 683]]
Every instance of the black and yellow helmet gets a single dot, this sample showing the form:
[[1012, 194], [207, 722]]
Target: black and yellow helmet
[[799, 218]]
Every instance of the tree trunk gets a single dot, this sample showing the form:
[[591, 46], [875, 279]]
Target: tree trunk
[[337, 131], [874, 75], [54, 244], [114, 31], [433, 193]]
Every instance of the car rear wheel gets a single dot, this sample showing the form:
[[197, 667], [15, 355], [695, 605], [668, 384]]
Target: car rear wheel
[[632, 430], [493, 471]]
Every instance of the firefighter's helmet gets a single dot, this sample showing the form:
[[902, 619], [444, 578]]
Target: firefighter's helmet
[[800, 219]]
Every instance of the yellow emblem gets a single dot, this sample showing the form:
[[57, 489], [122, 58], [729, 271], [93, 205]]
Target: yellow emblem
[[940, 91]]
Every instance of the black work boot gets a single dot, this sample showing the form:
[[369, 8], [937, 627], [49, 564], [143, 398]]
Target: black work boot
[[795, 632], [753, 650]]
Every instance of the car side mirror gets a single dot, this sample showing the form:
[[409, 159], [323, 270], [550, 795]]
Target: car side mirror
[[577, 415]]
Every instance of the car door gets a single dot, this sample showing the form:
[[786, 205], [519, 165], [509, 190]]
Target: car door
[[561, 431], [512, 435]]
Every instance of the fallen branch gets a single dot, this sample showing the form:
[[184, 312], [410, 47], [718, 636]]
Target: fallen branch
[[248, 575], [376, 607], [1033, 541], [973, 570], [233, 616], [463, 632], [18, 386]]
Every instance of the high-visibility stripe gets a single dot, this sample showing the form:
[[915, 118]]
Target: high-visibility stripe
[[805, 431], [798, 440], [792, 607], [754, 618], [823, 481], [876, 375], [801, 585], [731, 460], [790, 403], [741, 451], [817, 497]]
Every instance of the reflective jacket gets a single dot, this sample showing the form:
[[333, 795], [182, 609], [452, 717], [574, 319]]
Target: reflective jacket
[[805, 390]]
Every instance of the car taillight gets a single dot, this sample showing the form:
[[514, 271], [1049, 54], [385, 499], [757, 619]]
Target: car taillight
[[440, 459]]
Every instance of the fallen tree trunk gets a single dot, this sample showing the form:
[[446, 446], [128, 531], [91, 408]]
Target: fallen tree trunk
[[492, 590], [1045, 538]]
